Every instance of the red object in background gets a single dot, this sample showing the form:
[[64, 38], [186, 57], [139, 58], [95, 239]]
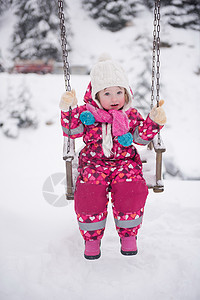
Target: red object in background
[[38, 67]]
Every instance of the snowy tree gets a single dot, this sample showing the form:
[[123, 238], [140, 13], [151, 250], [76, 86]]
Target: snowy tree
[[2, 69], [111, 15], [37, 33], [16, 112], [151, 3], [183, 14], [115, 15], [22, 109], [4, 5], [179, 13]]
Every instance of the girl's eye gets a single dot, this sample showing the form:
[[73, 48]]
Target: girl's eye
[[107, 94], [119, 93]]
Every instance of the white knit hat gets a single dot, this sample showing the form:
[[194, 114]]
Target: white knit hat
[[104, 74], [107, 73]]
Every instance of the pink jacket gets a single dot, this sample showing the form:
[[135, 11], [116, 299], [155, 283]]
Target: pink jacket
[[143, 131]]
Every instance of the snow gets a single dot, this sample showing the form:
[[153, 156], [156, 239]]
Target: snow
[[41, 254], [6, 29], [42, 250]]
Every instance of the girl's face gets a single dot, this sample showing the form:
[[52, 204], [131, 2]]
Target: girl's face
[[112, 97]]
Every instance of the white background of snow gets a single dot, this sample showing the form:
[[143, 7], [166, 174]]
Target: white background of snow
[[41, 255]]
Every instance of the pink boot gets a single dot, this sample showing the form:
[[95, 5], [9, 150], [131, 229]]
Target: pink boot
[[128, 245], [92, 249]]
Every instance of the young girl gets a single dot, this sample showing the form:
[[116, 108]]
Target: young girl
[[109, 162]]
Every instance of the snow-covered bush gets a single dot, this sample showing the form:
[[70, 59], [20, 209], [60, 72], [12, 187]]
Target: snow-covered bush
[[179, 13], [111, 15], [183, 14], [4, 5], [16, 112], [37, 32], [115, 15]]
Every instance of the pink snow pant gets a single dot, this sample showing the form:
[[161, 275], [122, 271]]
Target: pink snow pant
[[128, 195]]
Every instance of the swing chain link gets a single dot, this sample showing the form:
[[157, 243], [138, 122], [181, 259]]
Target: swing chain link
[[153, 58], [156, 54], [64, 45], [156, 58], [65, 61]]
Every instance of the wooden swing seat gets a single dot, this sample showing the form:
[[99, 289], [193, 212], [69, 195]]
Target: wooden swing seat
[[152, 165]]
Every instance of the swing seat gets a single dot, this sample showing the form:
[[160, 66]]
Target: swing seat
[[151, 159], [152, 165], [71, 165]]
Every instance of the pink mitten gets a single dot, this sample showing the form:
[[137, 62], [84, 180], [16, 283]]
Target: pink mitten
[[157, 114], [68, 99]]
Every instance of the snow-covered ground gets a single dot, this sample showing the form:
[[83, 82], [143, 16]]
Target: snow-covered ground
[[41, 254], [41, 248]]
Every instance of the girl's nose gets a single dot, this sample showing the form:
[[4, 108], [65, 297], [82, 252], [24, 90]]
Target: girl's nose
[[112, 98]]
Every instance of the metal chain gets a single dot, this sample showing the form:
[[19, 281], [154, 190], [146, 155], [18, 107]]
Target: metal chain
[[158, 62], [153, 56], [156, 58], [64, 45], [156, 54], [65, 61]]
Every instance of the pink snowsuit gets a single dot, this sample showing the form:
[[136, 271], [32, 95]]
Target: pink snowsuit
[[120, 174]]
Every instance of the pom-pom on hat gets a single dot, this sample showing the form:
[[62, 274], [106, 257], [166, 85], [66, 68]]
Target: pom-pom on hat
[[106, 73]]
